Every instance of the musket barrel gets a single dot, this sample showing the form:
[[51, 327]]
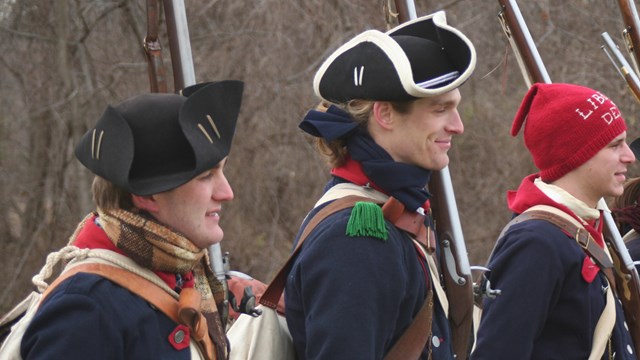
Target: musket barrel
[[632, 27], [179, 43], [611, 225], [622, 66], [406, 11], [524, 42]]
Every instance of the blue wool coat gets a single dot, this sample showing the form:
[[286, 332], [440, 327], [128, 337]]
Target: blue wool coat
[[547, 310], [353, 297], [89, 317]]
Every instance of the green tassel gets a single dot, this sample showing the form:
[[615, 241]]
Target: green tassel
[[367, 220]]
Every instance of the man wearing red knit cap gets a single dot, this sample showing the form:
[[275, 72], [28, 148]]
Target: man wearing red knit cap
[[556, 302]]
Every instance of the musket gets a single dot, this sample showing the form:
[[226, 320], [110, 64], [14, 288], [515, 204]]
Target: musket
[[524, 49], [179, 44], [626, 274], [456, 269], [630, 33], [621, 65], [183, 75], [627, 282], [153, 49]]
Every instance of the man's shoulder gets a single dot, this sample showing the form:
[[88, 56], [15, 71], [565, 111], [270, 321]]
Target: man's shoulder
[[539, 234], [92, 288]]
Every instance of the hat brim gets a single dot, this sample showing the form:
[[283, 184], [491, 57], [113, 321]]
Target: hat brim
[[374, 66]]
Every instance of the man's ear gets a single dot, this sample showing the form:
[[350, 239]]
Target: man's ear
[[382, 114], [147, 203]]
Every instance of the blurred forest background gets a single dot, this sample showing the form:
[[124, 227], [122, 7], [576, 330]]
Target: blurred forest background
[[62, 62]]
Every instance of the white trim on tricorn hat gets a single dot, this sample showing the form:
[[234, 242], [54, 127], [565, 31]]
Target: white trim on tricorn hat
[[377, 66]]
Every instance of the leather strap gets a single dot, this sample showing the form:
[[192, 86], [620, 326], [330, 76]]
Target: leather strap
[[274, 291], [147, 290], [571, 227], [190, 315], [411, 222], [413, 341], [408, 345]]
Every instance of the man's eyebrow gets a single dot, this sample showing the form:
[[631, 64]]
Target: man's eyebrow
[[447, 102], [618, 141]]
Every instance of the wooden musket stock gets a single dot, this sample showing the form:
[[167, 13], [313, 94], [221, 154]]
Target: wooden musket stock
[[621, 65], [630, 33], [522, 44], [153, 49]]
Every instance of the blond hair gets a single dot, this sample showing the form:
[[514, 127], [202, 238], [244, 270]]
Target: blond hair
[[335, 151]]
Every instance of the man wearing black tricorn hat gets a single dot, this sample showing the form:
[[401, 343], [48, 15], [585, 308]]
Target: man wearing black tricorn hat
[[159, 188], [387, 120]]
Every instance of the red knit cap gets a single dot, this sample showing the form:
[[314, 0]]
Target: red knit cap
[[566, 125]]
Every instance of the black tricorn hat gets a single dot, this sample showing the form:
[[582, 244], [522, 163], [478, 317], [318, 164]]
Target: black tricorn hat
[[421, 58], [156, 142]]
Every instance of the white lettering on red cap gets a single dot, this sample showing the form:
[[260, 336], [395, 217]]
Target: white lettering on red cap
[[595, 100], [611, 115]]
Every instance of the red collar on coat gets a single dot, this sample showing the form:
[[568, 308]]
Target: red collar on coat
[[91, 236], [352, 172]]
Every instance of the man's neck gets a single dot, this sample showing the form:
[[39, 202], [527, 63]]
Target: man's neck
[[563, 196]]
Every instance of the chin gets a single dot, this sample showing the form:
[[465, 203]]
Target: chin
[[204, 243], [217, 237], [440, 166], [443, 163], [618, 192]]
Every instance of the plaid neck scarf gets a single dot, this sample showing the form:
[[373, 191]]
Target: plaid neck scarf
[[156, 247]]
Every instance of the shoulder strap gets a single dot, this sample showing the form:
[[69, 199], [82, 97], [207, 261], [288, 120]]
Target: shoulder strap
[[411, 342], [179, 312], [346, 189], [128, 280], [273, 292], [569, 225]]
